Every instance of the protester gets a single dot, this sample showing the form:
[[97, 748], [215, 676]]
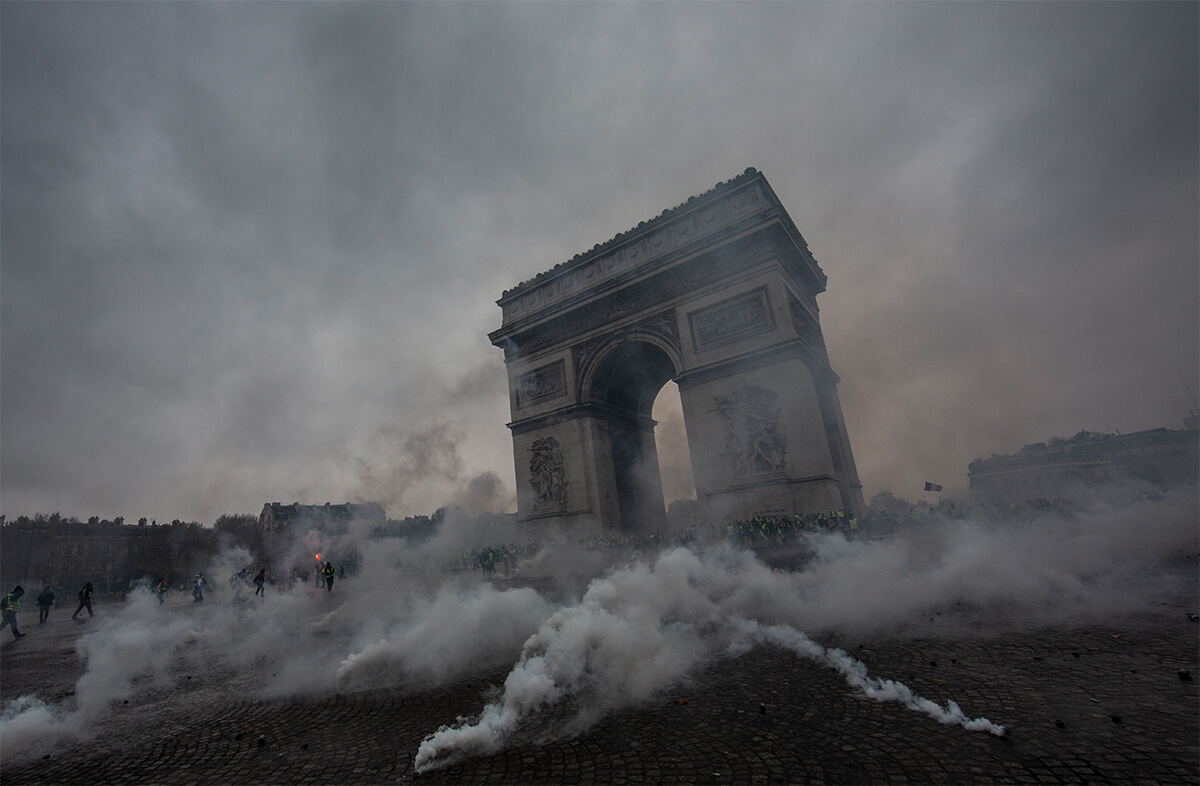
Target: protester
[[198, 590], [85, 600], [44, 601], [12, 602], [328, 571], [161, 589], [236, 582]]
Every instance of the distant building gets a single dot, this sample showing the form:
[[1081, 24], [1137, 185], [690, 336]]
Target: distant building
[[276, 516], [1165, 458]]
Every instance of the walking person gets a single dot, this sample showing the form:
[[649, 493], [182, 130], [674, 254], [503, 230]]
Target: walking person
[[237, 581], [260, 579], [198, 590], [328, 571], [161, 589], [44, 601], [85, 600], [12, 602]]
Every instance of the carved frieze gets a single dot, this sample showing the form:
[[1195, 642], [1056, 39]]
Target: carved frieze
[[807, 327], [541, 384], [661, 325], [745, 315], [629, 301], [547, 475], [583, 354], [754, 439]]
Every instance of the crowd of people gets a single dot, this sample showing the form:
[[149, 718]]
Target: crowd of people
[[779, 530], [487, 558], [45, 601], [623, 541]]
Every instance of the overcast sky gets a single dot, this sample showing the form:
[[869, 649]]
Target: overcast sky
[[251, 251]]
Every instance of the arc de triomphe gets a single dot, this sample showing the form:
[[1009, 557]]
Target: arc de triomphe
[[717, 294]]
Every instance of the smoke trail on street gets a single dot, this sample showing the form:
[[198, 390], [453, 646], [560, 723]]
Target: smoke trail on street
[[642, 628], [855, 673]]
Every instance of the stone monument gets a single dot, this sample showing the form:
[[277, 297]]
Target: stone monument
[[717, 294]]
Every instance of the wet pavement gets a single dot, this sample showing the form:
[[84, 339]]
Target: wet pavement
[[1089, 704]]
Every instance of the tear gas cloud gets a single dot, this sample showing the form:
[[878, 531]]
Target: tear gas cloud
[[611, 634]]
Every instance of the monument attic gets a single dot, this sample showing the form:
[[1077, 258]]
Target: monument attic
[[717, 294]]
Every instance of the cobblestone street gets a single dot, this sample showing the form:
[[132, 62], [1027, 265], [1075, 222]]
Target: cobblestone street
[[1095, 704]]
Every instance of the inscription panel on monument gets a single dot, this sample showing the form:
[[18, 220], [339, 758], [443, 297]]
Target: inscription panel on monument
[[731, 320], [541, 384]]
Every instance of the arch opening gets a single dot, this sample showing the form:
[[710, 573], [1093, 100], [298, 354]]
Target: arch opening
[[626, 384], [674, 452]]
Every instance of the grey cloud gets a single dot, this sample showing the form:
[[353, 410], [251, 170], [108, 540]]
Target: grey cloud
[[240, 239]]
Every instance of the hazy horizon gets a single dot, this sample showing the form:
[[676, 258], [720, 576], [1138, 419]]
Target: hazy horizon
[[250, 252]]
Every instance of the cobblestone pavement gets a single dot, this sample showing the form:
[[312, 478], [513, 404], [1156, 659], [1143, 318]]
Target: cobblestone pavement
[[1097, 704]]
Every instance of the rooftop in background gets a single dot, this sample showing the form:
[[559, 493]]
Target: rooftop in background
[[1164, 458], [276, 515]]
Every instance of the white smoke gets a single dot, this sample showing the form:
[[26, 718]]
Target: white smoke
[[607, 637], [425, 650], [639, 630], [135, 647], [855, 673]]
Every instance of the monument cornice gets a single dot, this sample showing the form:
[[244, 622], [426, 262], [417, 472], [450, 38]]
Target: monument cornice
[[743, 203], [612, 304], [573, 411]]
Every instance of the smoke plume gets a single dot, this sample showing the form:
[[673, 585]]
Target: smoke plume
[[589, 631]]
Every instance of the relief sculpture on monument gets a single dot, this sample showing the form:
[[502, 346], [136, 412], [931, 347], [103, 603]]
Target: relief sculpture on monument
[[754, 441], [541, 384], [546, 474]]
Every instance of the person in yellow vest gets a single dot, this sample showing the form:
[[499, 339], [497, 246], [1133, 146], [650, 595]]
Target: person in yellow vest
[[85, 600], [12, 602], [328, 571]]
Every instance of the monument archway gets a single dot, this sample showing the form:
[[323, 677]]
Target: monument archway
[[717, 294]]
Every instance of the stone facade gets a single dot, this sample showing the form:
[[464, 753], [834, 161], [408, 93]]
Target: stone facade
[[717, 294], [275, 516], [1164, 458]]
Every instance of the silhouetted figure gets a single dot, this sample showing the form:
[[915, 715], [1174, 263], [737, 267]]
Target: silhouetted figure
[[12, 602], [161, 589], [44, 601], [328, 571], [260, 579], [85, 600], [198, 590], [237, 581]]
